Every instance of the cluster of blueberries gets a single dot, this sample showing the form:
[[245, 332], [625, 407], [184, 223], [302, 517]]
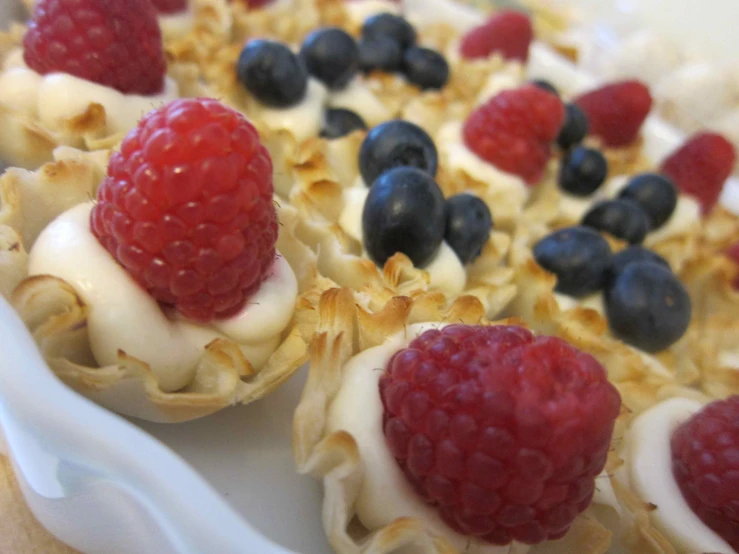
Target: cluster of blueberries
[[405, 210], [278, 77]]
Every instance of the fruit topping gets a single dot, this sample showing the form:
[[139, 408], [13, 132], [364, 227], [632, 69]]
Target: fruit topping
[[578, 256], [272, 73], [655, 194], [543, 84], [617, 111], [503, 432], [169, 7], [621, 218], [187, 209], [331, 56], [404, 212], [468, 226], [508, 33], [114, 43], [701, 166], [574, 129], [396, 143], [390, 26], [632, 255], [733, 254], [706, 466], [339, 122], [582, 171], [380, 54], [425, 68], [514, 131], [647, 306]]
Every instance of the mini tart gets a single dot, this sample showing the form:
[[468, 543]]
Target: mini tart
[[318, 195], [686, 368], [347, 326]]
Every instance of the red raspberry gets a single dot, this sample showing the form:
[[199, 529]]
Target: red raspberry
[[503, 432], [170, 6], [508, 32], [514, 130], [701, 166], [617, 111], [187, 208], [115, 43], [705, 463]]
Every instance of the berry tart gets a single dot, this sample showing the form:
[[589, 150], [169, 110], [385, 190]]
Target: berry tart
[[436, 431], [170, 295]]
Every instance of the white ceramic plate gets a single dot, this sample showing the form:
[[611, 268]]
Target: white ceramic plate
[[225, 484]]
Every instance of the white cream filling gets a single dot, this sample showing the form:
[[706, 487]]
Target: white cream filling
[[56, 98], [122, 315], [509, 78], [361, 10], [176, 25], [304, 119], [452, 148], [446, 271], [650, 473], [422, 13], [357, 97]]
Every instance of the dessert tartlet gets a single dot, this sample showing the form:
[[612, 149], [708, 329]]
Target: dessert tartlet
[[171, 295]]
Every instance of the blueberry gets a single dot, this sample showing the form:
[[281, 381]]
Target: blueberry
[[632, 255], [656, 194], [425, 68], [578, 256], [331, 56], [272, 73], [574, 129], [468, 226], [545, 85], [389, 25], [380, 54], [624, 219], [338, 122], [648, 307], [583, 170], [396, 143], [404, 212]]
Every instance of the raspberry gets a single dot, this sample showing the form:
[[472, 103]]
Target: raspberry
[[502, 431], [115, 43], [617, 111], [170, 6], [701, 166], [733, 254], [508, 32], [514, 130], [187, 208], [705, 463]]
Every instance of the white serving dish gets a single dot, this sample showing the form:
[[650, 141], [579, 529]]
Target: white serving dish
[[224, 484]]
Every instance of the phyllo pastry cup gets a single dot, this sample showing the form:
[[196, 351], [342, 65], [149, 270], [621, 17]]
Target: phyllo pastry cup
[[353, 472]]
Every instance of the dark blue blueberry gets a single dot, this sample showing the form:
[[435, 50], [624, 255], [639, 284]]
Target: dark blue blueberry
[[396, 143], [583, 171], [632, 255], [648, 307], [272, 73], [404, 212], [425, 68], [578, 256], [389, 25], [468, 226], [574, 129], [331, 56], [338, 122], [380, 54], [545, 85], [624, 219], [656, 194]]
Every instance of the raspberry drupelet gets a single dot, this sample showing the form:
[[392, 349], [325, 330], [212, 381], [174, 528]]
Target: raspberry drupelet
[[187, 208], [705, 463], [515, 130], [114, 43], [508, 33], [502, 431], [169, 7]]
